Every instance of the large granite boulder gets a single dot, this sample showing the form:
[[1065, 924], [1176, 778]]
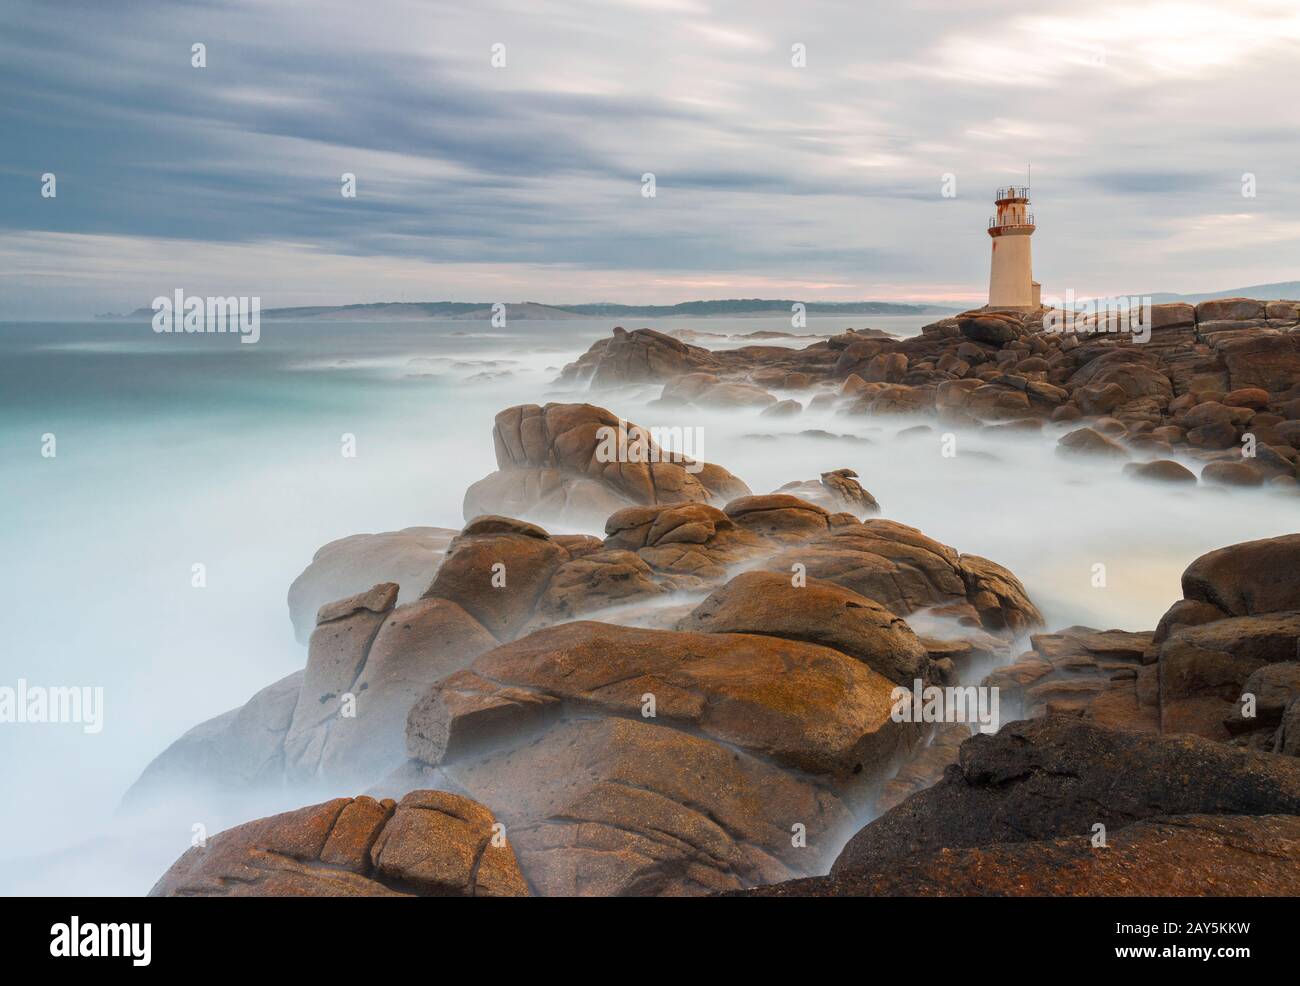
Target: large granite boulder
[[1057, 777], [773, 604], [1248, 578], [905, 571], [690, 541], [627, 760], [642, 355], [1240, 612], [431, 844], [1268, 360], [799, 705], [575, 464]]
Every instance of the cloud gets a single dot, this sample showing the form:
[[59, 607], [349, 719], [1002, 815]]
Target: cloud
[[766, 173]]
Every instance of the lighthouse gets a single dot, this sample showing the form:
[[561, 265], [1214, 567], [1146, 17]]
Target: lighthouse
[[1011, 276]]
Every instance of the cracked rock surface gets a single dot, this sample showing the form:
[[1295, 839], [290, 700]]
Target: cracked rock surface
[[430, 844]]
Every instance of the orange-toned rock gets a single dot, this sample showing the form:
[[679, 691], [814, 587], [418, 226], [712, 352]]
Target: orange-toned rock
[[431, 844]]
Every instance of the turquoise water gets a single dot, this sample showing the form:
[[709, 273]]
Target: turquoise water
[[177, 450], [173, 451]]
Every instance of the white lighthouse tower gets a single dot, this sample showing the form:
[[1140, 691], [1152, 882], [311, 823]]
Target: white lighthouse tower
[[1011, 277]]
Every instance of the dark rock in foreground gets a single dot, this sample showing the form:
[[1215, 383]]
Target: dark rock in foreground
[[1179, 856], [1058, 777]]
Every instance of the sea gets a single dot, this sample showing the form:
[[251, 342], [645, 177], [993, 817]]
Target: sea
[[160, 493]]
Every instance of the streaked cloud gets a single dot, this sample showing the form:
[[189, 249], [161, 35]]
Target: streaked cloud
[[1139, 122]]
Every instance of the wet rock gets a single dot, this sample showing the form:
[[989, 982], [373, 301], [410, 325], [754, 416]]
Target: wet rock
[[432, 844], [1231, 474], [904, 571], [691, 540], [1080, 671], [1176, 856], [771, 604], [1248, 578], [707, 390], [995, 328], [779, 516], [634, 357], [782, 409], [1254, 398], [497, 572], [1233, 309], [1272, 688], [836, 492], [799, 705], [1087, 443], [631, 761], [577, 464], [1160, 471], [1100, 398], [1058, 777], [628, 807], [337, 651], [1204, 669]]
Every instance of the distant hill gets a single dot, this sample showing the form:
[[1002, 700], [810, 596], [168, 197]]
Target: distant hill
[[756, 306], [482, 310], [1260, 292]]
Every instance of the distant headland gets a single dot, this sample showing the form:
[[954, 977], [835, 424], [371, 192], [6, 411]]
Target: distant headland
[[484, 310]]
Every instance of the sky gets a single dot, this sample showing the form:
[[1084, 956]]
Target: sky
[[1163, 139]]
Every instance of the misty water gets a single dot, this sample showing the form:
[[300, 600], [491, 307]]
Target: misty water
[[174, 451]]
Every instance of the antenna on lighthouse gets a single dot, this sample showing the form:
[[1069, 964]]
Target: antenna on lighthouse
[[1029, 179]]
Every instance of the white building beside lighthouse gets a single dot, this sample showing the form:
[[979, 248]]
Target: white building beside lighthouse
[[1011, 276]]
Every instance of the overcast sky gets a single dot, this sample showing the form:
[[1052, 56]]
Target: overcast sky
[[524, 182]]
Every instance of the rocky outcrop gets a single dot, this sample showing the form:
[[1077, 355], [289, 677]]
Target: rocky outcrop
[[1240, 614], [1218, 665], [1098, 674], [906, 571], [729, 740], [1089, 443], [1057, 777], [342, 720], [1178, 856], [575, 464], [1059, 806], [635, 761], [836, 491], [707, 390], [431, 844], [816, 612], [638, 356], [1216, 383], [1248, 579]]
